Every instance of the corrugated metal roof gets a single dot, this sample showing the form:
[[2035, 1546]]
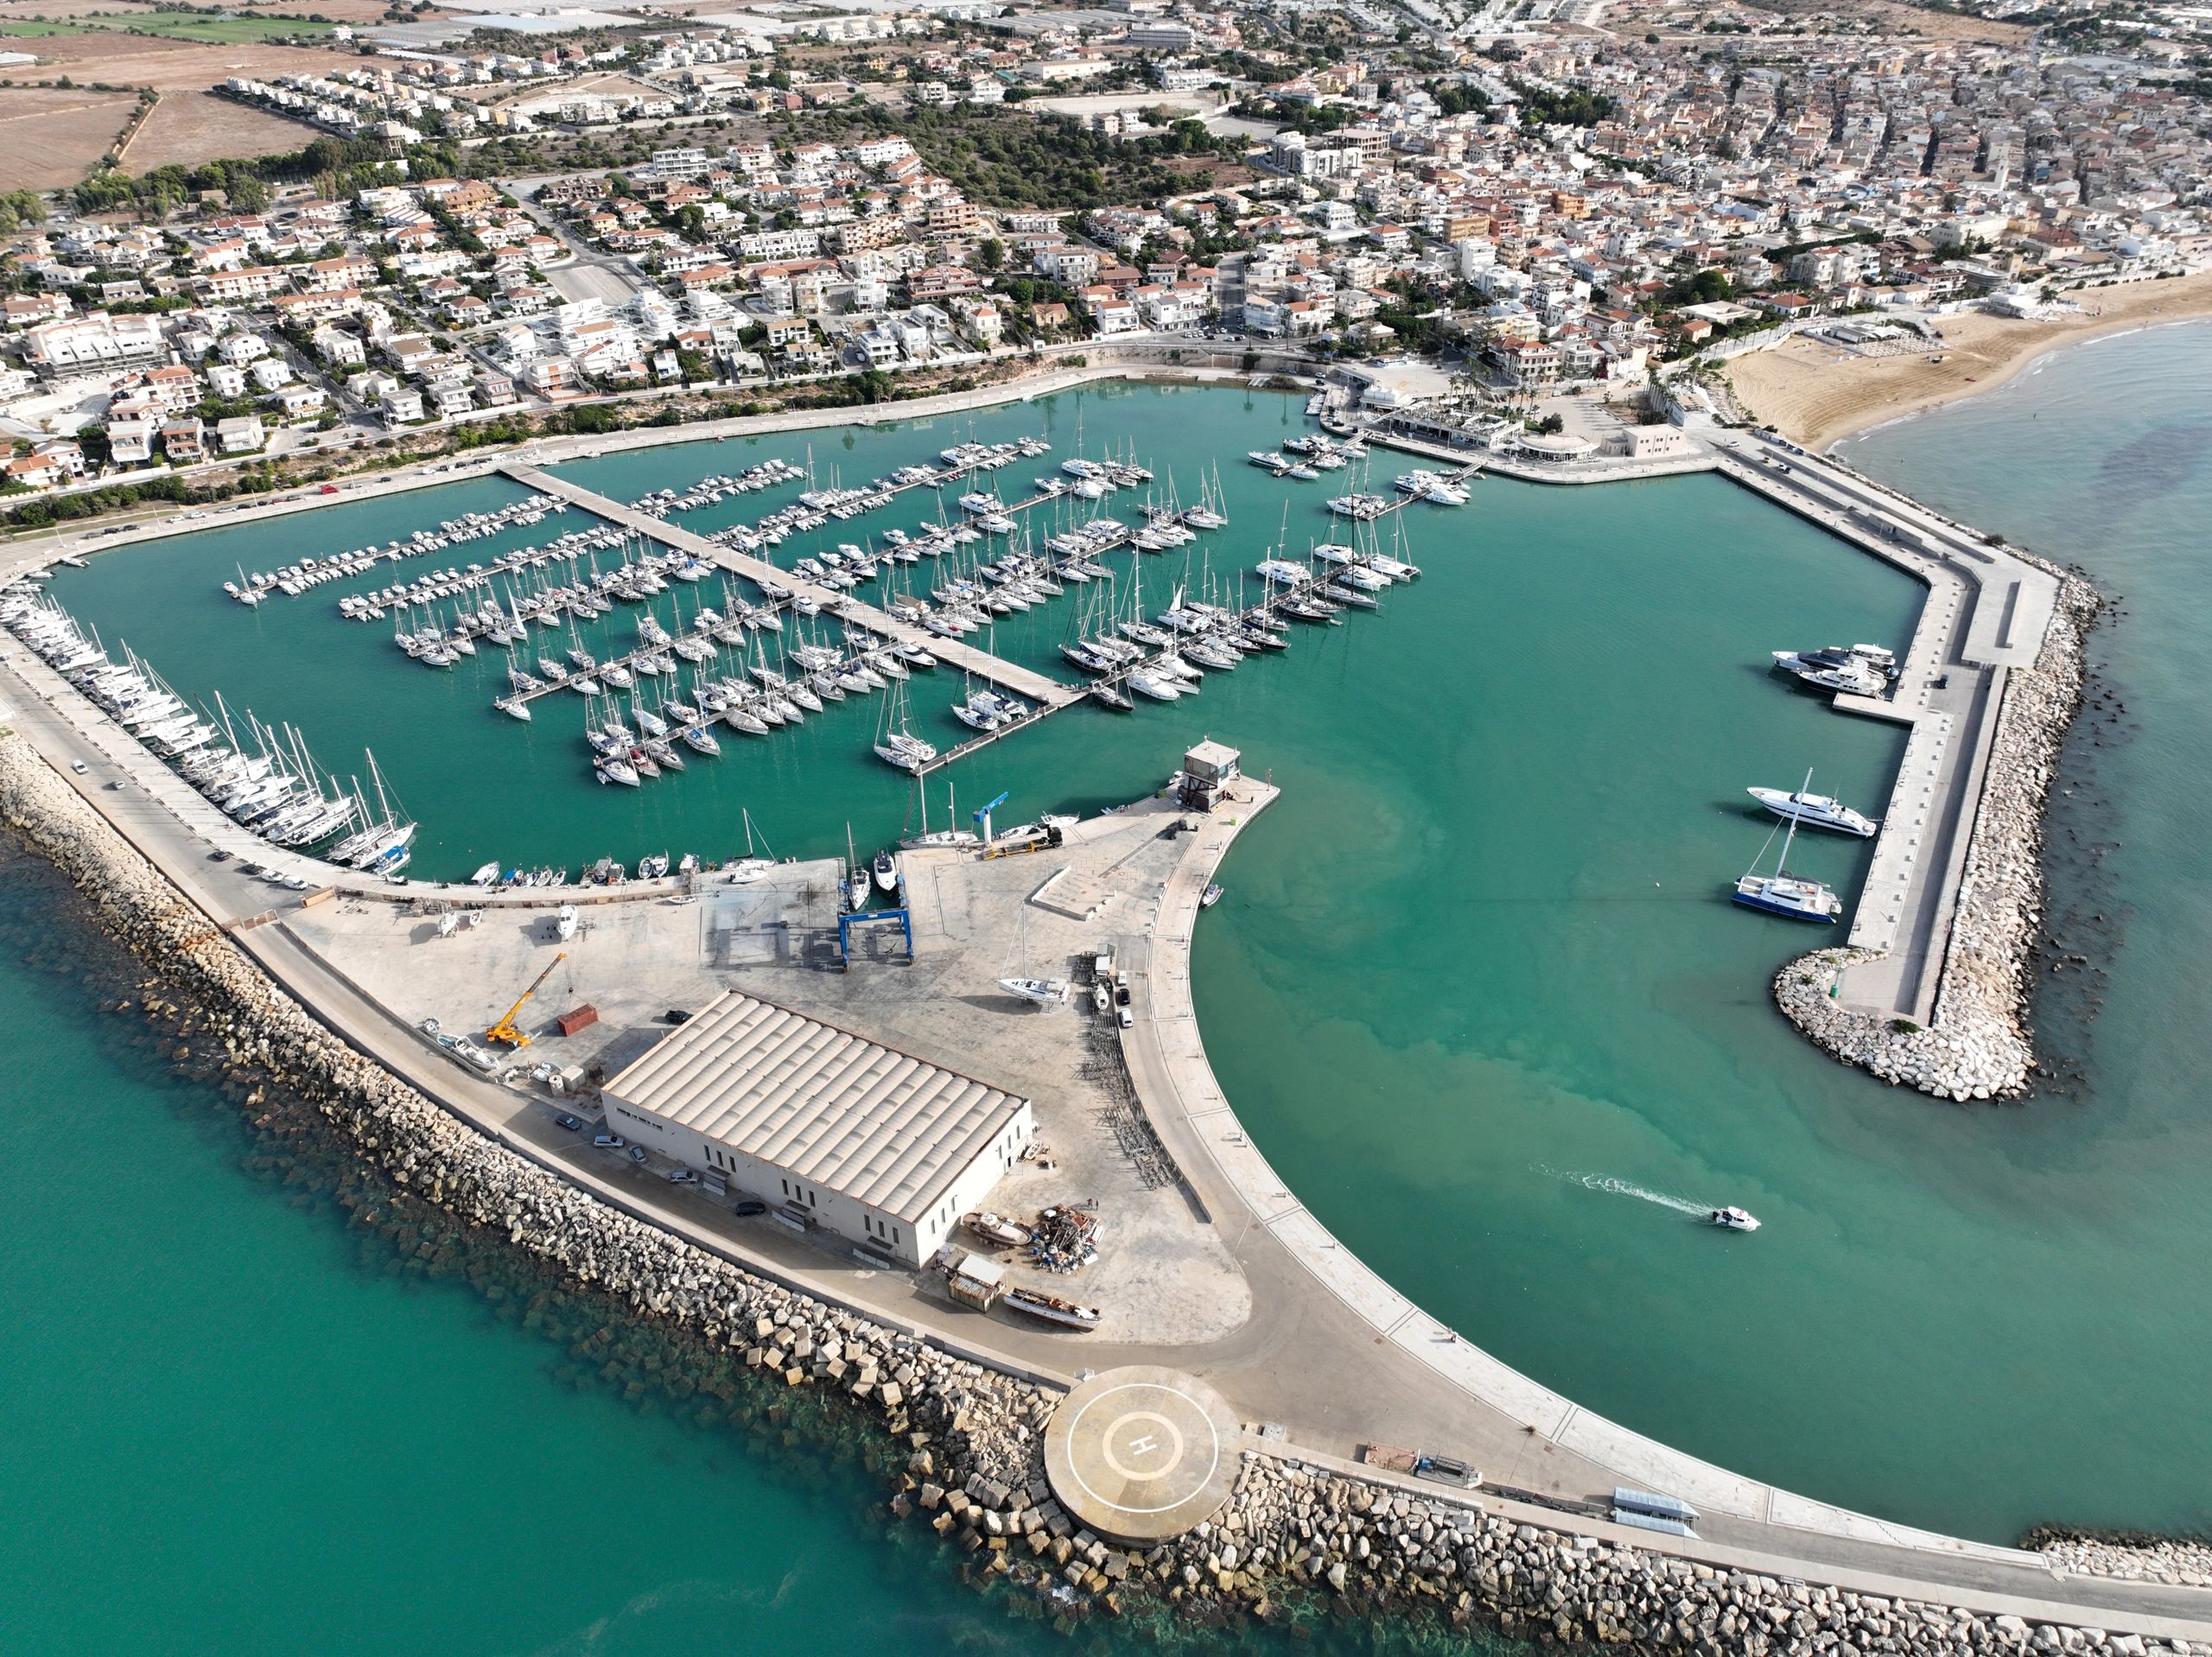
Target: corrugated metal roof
[[835, 1110]]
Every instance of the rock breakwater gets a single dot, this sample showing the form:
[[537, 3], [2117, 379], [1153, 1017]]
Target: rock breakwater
[[1979, 1044], [961, 1444]]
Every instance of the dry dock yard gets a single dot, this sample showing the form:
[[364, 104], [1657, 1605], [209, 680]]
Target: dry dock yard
[[1162, 1277]]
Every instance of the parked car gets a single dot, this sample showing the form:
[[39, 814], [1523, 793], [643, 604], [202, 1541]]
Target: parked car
[[681, 1177], [1128, 1018], [637, 1154], [609, 1141], [746, 1208], [567, 1122]]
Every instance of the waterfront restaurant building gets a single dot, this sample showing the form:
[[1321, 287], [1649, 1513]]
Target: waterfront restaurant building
[[836, 1131]]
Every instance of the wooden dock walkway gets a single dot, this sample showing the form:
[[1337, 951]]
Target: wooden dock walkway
[[1007, 675]]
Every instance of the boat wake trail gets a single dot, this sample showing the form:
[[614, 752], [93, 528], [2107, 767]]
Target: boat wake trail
[[1625, 1188]]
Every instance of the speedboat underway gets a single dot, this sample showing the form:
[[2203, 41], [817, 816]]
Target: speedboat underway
[[1814, 811], [1731, 1220]]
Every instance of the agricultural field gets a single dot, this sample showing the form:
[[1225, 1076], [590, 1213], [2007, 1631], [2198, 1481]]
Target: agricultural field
[[49, 138], [188, 126]]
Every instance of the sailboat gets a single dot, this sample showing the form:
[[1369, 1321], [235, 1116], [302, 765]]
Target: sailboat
[[855, 874], [1783, 893], [1038, 992], [897, 745], [955, 838], [750, 867]]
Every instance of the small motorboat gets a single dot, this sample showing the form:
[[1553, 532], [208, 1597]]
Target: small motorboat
[[996, 1228], [886, 872], [1731, 1220], [1210, 897], [488, 875]]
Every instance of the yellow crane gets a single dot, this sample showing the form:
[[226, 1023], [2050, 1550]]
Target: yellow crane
[[506, 1030]]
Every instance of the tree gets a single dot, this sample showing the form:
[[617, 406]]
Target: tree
[[991, 254]]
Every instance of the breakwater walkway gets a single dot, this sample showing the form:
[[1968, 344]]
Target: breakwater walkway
[[1007, 675], [1985, 619]]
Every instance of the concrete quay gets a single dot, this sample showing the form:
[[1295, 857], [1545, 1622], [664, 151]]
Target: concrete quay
[[1239, 1285]]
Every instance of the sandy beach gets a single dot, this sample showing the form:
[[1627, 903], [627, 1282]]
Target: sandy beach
[[1818, 394]]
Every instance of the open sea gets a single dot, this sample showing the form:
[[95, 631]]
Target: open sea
[[1474, 988]]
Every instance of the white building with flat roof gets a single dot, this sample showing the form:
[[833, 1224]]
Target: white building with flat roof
[[840, 1132]]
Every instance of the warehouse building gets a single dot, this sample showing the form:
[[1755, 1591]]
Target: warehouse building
[[839, 1132]]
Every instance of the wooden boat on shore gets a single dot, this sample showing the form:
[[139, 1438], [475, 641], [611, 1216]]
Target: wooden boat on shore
[[996, 1228], [1052, 1309]]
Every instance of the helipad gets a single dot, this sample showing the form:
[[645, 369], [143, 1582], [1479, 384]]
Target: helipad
[[1139, 1455]]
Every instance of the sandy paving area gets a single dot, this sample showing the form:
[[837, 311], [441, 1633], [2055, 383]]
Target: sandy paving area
[[1817, 395], [49, 139]]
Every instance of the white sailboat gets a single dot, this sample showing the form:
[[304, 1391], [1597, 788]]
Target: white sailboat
[[1783, 893]]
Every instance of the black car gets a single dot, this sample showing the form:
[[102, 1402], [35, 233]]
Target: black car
[[219, 856], [569, 1122], [747, 1208]]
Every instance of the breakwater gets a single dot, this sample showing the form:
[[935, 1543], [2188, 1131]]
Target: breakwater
[[1977, 1044], [968, 1440]]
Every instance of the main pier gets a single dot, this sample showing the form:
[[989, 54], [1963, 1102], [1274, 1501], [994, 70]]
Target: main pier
[[1986, 618], [1007, 675]]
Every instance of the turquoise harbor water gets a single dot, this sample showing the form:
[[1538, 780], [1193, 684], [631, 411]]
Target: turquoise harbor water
[[1473, 988]]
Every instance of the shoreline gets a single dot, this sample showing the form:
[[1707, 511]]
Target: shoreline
[[1817, 401], [964, 1442]]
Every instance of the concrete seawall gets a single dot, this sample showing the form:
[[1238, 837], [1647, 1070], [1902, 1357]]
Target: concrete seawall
[[972, 1436]]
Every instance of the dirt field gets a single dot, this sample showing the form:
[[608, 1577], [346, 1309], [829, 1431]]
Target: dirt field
[[188, 127], [191, 128], [353, 12], [49, 139]]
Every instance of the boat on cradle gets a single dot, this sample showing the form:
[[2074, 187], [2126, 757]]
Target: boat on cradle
[[564, 923], [885, 870], [1052, 1309], [1814, 811], [1783, 893], [996, 1228], [1043, 992], [1861, 670], [1732, 1219]]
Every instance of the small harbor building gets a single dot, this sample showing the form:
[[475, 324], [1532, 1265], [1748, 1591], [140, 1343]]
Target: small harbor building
[[833, 1130]]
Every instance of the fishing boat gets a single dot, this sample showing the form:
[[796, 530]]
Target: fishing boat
[[1053, 1310], [1783, 893], [1732, 1219], [996, 1228], [1814, 811]]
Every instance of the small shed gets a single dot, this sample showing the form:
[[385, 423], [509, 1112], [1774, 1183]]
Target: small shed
[[975, 1281]]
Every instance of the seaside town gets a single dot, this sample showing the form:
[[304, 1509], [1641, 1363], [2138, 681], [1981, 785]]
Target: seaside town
[[484, 329], [791, 203]]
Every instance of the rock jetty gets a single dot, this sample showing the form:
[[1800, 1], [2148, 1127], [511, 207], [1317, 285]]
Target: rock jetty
[[1979, 1044], [961, 1444]]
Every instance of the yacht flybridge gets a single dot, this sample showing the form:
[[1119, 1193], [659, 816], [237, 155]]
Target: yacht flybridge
[[1860, 671]]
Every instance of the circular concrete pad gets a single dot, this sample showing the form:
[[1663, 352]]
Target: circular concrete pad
[[1142, 1454]]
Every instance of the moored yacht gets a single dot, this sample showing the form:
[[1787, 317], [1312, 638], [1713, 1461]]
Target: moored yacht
[[1814, 811]]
